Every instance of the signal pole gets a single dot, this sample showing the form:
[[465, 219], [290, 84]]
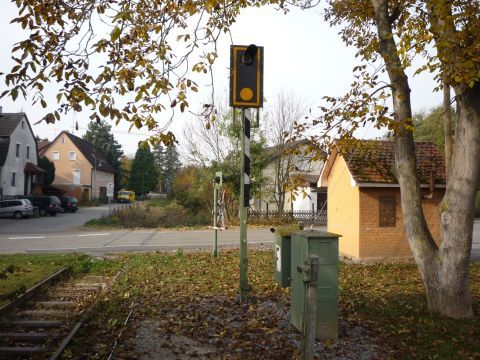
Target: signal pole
[[217, 182], [246, 91], [215, 214], [244, 204]]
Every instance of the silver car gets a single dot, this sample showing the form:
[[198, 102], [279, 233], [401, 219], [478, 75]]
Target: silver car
[[17, 208]]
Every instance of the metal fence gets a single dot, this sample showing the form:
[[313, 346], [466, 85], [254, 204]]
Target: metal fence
[[116, 207], [318, 217]]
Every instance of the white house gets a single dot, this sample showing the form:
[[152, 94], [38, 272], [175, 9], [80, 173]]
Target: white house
[[19, 173], [285, 165]]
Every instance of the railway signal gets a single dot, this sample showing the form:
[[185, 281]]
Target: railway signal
[[246, 91]]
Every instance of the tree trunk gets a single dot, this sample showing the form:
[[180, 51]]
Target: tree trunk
[[458, 209], [447, 126], [444, 270]]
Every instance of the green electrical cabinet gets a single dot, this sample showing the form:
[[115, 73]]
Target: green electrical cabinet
[[325, 246], [282, 259]]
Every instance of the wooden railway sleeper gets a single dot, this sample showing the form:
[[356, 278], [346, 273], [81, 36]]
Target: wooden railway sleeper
[[51, 317]]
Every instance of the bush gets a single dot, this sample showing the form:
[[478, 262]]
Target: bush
[[85, 201], [150, 215], [159, 202], [109, 221]]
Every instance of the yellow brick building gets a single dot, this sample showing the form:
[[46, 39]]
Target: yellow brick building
[[364, 198]]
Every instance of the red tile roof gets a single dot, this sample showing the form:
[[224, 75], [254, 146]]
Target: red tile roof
[[32, 168], [42, 144], [373, 161]]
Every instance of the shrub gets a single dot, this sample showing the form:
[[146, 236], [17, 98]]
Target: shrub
[[148, 216], [85, 199], [109, 221]]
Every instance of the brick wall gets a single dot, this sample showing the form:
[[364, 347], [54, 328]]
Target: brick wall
[[381, 243], [343, 209]]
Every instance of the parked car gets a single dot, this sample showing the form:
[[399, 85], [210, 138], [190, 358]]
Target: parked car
[[17, 208], [46, 204], [125, 196], [69, 203]]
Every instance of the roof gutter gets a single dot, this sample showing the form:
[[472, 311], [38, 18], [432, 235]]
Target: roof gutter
[[382, 185]]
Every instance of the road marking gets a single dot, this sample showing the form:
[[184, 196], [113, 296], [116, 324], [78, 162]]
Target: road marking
[[220, 243], [138, 247], [144, 243], [105, 234], [26, 237]]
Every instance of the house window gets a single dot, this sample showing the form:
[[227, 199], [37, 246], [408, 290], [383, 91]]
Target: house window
[[23, 125], [72, 155], [28, 152], [17, 151], [388, 216], [14, 175], [76, 176], [55, 155], [63, 139]]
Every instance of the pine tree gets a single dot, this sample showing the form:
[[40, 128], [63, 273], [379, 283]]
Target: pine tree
[[144, 176], [100, 135], [167, 163], [49, 167]]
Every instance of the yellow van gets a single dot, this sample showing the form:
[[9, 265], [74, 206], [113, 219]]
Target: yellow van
[[125, 196]]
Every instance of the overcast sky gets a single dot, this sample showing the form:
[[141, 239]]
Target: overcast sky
[[302, 55]]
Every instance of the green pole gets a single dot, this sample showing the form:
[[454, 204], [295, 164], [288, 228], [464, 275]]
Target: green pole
[[215, 220], [243, 220]]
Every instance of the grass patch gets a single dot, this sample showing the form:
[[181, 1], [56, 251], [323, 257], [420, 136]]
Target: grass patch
[[20, 272], [194, 294], [151, 214], [392, 298]]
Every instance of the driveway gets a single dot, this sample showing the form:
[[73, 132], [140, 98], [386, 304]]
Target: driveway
[[50, 224]]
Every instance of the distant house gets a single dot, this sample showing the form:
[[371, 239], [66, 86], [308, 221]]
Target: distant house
[[80, 169], [19, 173], [285, 164], [364, 198], [42, 146]]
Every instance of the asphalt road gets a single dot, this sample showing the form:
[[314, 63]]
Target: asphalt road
[[51, 224], [126, 240]]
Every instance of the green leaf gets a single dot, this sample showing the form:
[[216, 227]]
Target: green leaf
[[115, 34]]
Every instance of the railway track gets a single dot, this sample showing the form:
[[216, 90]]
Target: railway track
[[41, 323]]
